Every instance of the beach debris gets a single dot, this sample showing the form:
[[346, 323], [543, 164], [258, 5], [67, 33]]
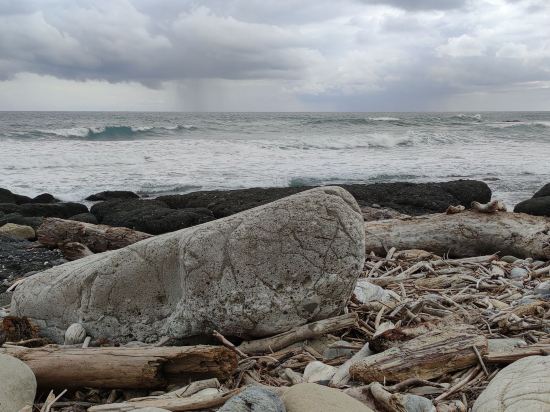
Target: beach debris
[[123, 367], [297, 260], [522, 386], [466, 234], [17, 384], [75, 334], [491, 207], [428, 356], [342, 376], [318, 372], [451, 210]]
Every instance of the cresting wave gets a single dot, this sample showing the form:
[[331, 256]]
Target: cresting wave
[[115, 132]]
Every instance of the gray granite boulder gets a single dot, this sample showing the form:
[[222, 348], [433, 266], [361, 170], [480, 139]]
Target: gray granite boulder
[[254, 399], [253, 274], [17, 384], [520, 387]]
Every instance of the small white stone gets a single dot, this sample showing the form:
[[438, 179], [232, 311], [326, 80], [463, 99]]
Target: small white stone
[[75, 334], [317, 371]]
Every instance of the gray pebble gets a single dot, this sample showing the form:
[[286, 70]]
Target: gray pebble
[[254, 399], [518, 273], [509, 259]]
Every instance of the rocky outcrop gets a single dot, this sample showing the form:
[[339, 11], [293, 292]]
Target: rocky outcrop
[[7, 196], [17, 231], [409, 198], [32, 221], [112, 194], [17, 384], [543, 191], [520, 387], [60, 210], [149, 216], [85, 217], [538, 206], [44, 198], [253, 274]]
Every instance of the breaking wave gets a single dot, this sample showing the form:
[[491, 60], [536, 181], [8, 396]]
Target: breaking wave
[[112, 132]]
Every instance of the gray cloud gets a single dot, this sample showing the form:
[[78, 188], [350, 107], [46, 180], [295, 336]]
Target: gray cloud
[[352, 55]]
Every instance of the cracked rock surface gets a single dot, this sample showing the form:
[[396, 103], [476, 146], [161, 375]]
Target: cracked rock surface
[[253, 274]]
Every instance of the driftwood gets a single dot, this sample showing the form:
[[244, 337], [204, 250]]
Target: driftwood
[[298, 334], [519, 353], [123, 367], [54, 232], [425, 357], [463, 234], [75, 250]]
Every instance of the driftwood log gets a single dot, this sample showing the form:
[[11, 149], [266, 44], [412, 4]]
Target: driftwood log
[[298, 334], [55, 232], [425, 357], [123, 367], [463, 234]]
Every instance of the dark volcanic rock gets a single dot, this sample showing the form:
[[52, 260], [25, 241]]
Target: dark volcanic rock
[[113, 194], [8, 197], [409, 198], [544, 191], [61, 210], [85, 217], [45, 198], [538, 206], [32, 221], [19, 257], [9, 208], [149, 216]]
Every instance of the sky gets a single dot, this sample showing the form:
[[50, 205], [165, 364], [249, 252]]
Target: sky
[[275, 55]]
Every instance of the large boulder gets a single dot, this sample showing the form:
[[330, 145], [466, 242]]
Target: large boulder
[[112, 194], [8, 197], [543, 191], [253, 274], [520, 387], [44, 198], [17, 384], [17, 218], [310, 397], [409, 198], [149, 216], [538, 206]]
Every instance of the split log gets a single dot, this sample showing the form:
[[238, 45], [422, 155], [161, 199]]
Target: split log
[[124, 367], [396, 336], [425, 357], [463, 234], [298, 334], [98, 238]]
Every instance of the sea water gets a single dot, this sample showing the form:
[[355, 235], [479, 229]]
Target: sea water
[[75, 154]]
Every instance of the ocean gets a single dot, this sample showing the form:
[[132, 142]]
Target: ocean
[[75, 154]]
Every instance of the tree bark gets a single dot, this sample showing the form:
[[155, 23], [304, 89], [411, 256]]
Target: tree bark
[[54, 232], [464, 234], [300, 333], [124, 367], [425, 357]]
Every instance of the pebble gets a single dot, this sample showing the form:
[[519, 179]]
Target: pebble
[[254, 399], [518, 273], [317, 371], [509, 259]]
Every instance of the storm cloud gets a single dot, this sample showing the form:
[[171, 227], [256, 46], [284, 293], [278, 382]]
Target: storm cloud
[[280, 55]]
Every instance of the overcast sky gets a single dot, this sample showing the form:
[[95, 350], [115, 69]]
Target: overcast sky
[[278, 55]]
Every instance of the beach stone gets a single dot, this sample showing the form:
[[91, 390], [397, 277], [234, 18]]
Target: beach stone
[[254, 399], [32, 221], [17, 384], [112, 194], [310, 397], [317, 371], [538, 206], [62, 210], [85, 217], [18, 231], [253, 274], [522, 386], [518, 273], [7, 196], [509, 259], [543, 191], [150, 409], [44, 198]]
